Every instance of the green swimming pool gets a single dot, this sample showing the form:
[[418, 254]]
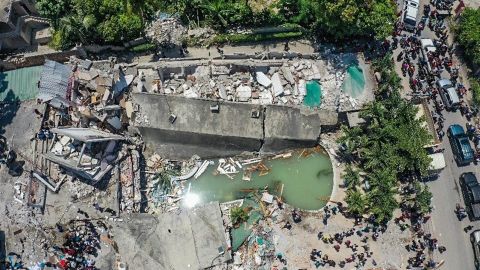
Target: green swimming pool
[[307, 181], [313, 98], [354, 82]]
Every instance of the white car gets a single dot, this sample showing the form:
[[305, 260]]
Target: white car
[[475, 239]]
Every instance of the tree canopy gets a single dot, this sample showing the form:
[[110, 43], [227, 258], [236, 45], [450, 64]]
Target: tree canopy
[[391, 144], [113, 21], [352, 18], [100, 21], [468, 33]]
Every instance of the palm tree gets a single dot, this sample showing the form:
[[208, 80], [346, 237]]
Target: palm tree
[[382, 203], [356, 203], [71, 29], [350, 139], [217, 11], [238, 215], [352, 177], [142, 8]]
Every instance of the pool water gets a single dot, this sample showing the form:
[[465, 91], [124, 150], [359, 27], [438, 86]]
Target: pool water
[[307, 181], [354, 82], [313, 98]]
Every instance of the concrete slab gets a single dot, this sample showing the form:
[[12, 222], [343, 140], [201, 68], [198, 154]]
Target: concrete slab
[[231, 130], [287, 127], [189, 240]]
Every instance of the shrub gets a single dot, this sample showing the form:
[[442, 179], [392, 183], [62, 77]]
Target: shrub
[[143, 47], [238, 215], [475, 87]]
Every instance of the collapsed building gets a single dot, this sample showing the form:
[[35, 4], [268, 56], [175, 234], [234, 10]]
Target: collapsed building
[[21, 25], [101, 120], [192, 239], [88, 153], [230, 106]]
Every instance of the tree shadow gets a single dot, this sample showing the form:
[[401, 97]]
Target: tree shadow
[[3, 252], [9, 105], [143, 183]]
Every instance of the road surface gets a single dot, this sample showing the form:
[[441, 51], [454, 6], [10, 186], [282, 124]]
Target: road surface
[[447, 193]]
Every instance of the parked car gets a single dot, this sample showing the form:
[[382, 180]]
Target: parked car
[[461, 148], [410, 17], [471, 194], [427, 46], [449, 94], [412, 3], [475, 239]]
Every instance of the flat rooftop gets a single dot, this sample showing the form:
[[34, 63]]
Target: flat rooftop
[[192, 239], [195, 116]]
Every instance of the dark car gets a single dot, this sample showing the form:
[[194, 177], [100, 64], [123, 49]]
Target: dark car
[[471, 194], [461, 148]]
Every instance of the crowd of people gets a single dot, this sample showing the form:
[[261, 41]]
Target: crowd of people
[[80, 245], [355, 240], [423, 71], [423, 75]]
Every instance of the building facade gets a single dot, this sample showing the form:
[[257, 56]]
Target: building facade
[[19, 20]]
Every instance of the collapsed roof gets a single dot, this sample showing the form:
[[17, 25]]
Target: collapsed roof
[[54, 81]]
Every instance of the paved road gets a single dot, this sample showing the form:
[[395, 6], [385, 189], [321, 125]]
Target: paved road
[[446, 194]]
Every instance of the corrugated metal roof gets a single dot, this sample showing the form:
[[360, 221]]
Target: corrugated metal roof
[[54, 80], [19, 83]]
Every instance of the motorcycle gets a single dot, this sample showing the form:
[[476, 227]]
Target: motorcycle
[[400, 56]]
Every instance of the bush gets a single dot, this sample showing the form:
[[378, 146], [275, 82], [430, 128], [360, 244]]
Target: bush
[[475, 87], [244, 38], [238, 215], [143, 48]]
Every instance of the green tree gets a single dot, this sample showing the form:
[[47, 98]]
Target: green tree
[[121, 28], [351, 139], [423, 200], [468, 33], [475, 86], [356, 203], [350, 18], [352, 177], [380, 20], [70, 31], [391, 143], [238, 215], [382, 203], [53, 10], [297, 11]]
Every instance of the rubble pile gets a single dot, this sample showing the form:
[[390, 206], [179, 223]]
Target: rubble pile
[[200, 35], [166, 32], [282, 83]]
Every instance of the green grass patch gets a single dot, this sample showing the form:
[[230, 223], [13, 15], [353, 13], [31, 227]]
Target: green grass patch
[[143, 48], [245, 38], [475, 86]]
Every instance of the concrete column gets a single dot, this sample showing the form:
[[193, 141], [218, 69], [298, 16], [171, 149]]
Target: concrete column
[[81, 154]]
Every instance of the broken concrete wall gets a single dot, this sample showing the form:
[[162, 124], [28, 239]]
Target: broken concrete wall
[[39, 59], [287, 127], [230, 131], [196, 128], [179, 144], [170, 72]]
